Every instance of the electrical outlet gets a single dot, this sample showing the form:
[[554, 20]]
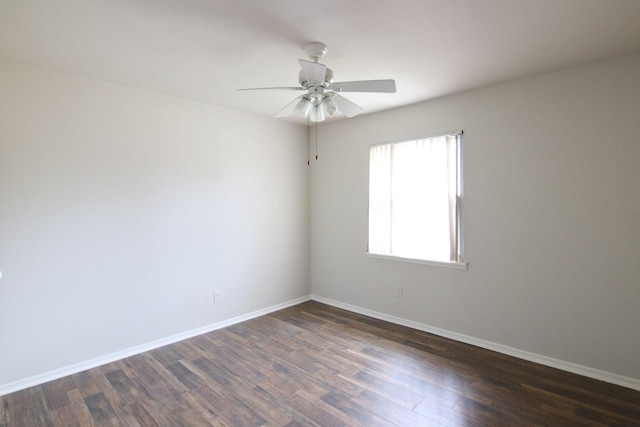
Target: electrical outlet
[[398, 292], [216, 298]]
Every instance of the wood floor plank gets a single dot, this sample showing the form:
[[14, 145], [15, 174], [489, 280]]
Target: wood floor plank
[[184, 417], [101, 410], [143, 417], [403, 396], [354, 409], [322, 413], [77, 411], [394, 412], [228, 407], [442, 412], [316, 365], [256, 399]]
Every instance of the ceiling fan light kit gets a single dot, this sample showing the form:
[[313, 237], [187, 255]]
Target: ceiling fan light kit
[[322, 97], [303, 107]]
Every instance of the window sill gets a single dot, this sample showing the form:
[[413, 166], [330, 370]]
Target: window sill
[[454, 265]]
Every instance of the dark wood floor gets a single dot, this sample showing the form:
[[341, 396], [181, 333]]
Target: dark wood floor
[[317, 365]]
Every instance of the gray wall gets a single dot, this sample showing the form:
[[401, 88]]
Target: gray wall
[[552, 217], [122, 211]]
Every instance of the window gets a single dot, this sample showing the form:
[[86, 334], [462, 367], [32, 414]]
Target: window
[[414, 200]]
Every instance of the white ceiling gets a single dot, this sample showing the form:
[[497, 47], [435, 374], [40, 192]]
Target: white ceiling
[[206, 49]]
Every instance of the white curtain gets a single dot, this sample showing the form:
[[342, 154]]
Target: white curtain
[[413, 196]]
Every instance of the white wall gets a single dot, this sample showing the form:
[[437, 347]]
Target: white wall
[[552, 217], [122, 211]]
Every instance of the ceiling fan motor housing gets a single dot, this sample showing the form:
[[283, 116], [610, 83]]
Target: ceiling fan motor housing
[[328, 79]]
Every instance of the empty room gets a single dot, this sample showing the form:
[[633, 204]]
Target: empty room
[[347, 213]]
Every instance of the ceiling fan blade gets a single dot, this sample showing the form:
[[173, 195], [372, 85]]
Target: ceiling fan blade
[[273, 88], [383, 86], [288, 109], [313, 71], [347, 107]]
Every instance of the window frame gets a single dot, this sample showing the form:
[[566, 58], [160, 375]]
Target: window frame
[[460, 263]]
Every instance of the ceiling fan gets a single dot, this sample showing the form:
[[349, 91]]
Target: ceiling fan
[[322, 93]]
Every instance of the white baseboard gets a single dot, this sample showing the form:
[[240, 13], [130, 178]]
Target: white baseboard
[[532, 357], [586, 371], [103, 360]]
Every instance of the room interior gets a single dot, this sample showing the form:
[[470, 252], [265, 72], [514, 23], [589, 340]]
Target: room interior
[[144, 200]]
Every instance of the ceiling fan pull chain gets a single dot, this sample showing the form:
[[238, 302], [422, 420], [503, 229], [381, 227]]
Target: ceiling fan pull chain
[[316, 140], [308, 144]]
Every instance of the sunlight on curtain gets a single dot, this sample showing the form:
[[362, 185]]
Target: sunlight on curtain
[[413, 196]]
